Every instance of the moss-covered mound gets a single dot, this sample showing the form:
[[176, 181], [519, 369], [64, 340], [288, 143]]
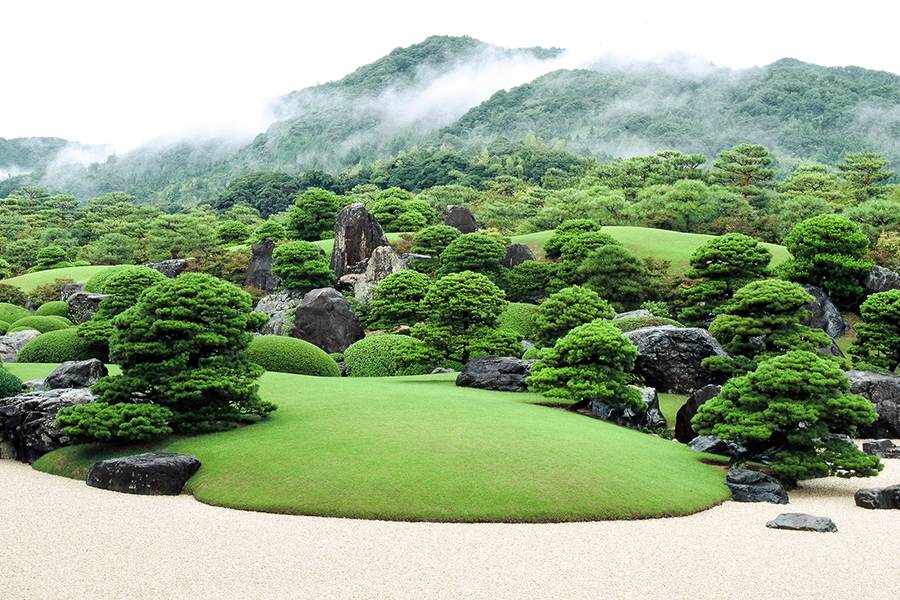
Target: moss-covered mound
[[12, 313], [291, 355], [56, 347], [519, 319], [10, 385], [632, 323], [56, 308], [97, 283], [381, 356], [42, 324]]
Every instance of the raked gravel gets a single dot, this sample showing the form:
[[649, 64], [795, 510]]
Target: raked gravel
[[61, 539]]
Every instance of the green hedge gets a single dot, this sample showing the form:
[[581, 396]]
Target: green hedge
[[56, 347], [10, 385], [291, 355], [518, 319], [12, 313], [632, 323], [379, 356], [42, 324], [56, 308]]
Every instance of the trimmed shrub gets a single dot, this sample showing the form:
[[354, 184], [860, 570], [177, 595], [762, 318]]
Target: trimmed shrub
[[56, 308], [12, 313], [10, 385], [519, 319], [123, 422], [56, 347], [95, 284], [42, 324], [291, 355], [12, 294], [382, 356], [632, 323]]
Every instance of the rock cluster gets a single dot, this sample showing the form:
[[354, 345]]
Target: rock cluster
[[259, 272], [356, 235], [651, 418], [886, 497], [516, 254], [280, 307], [825, 315], [460, 217], [171, 268], [881, 448], [26, 422], [881, 279], [684, 431], [83, 305], [72, 374]]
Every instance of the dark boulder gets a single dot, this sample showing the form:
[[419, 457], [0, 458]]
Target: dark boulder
[[825, 315], [880, 448], [669, 357], [72, 374], [753, 486], [883, 390], [516, 254], [461, 218], [280, 307], [259, 271], [501, 373], [12, 343], [83, 304], [149, 474], [70, 289], [650, 418], [886, 497], [356, 235], [684, 431], [713, 445], [881, 279], [324, 318], [802, 522], [171, 268], [26, 422]]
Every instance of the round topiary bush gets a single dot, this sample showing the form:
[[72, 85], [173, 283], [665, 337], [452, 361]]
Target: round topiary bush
[[12, 313], [380, 356], [10, 385], [518, 319], [291, 355], [56, 308], [56, 347], [631, 323], [42, 324], [96, 284]]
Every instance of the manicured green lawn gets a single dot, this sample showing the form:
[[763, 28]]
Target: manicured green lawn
[[420, 448], [29, 281]]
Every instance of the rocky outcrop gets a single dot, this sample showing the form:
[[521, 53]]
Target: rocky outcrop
[[881, 279], [12, 343], [753, 486], [651, 418], [669, 357], [802, 522], [516, 254], [461, 218], [825, 315], [713, 445], [883, 390], [280, 307], [259, 272], [881, 448], [83, 305], [684, 431], [324, 318], [70, 289], [383, 262], [152, 473], [171, 268], [502, 374], [26, 422], [72, 374], [886, 497], [356, 235]]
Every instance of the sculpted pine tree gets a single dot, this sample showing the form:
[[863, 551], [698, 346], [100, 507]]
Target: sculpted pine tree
[[397, 300], [744, 170], [877, 343], [567, 309], [301, 265]]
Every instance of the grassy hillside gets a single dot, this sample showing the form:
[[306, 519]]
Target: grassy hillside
[[29, 281], [420, 448]]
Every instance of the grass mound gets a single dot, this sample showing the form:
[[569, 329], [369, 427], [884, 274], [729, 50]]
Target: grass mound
[[43, 324], [422, 449], [291, 355], [380, 356], [56, 308], [10, 313], [56, 347], [29, 281]]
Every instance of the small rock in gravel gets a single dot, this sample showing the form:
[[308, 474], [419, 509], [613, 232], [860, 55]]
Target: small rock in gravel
[[802, 522], [886, 497]]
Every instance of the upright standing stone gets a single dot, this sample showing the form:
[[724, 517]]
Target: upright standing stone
[[516, 254], [684, 430], [356, 235], [325, 319], [259, 272], [461, 218], [825, 315]]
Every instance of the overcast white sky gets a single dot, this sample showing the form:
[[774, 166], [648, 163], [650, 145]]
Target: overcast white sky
[[124, 72]]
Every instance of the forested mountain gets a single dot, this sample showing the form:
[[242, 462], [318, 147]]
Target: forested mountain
[[432, 98]]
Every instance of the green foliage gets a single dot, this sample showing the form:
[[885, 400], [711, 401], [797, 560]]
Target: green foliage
[[48, 292], [877, 342], [569, 308], [300, 265], [593, 362], [432, 240], [232, 232], [96, 284], [56, 308], [790, 408], [864, 171], [270, 230], [385, 356], [57, 347], [532, 353], [397, 210], [530, 279], [631, 323], [5, 270], [267, 192], [51, 257], [576, 250], [743, 169], [829, 252], [617, 275], [473, 252], [4, 327], [657, 308], [10, 294], [12, 313], [312, 216], [291, 355], [42, 324], [121, 423], [10, 385], [519, 319], [397, 300], [228, 264], [565, 232]]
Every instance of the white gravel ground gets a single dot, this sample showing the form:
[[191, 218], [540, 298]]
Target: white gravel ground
[[61, 539]]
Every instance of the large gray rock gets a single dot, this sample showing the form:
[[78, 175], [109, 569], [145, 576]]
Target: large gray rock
[[324, 318], [151, 473], [802, 522], [280, 307], [171, 268], [83, 305], [26, 422], [503, 374], [684, 431], [383, 262], [651, 418], [461, 218], [881, 448], [633, 313], [886, 497], [881, 279], [753, 486], [356, 235], [713, 445], [70, 289], [259, 272], [516, 254], [669, 357], [825, 315], [883, 390], [12, 343], [72, 374]]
